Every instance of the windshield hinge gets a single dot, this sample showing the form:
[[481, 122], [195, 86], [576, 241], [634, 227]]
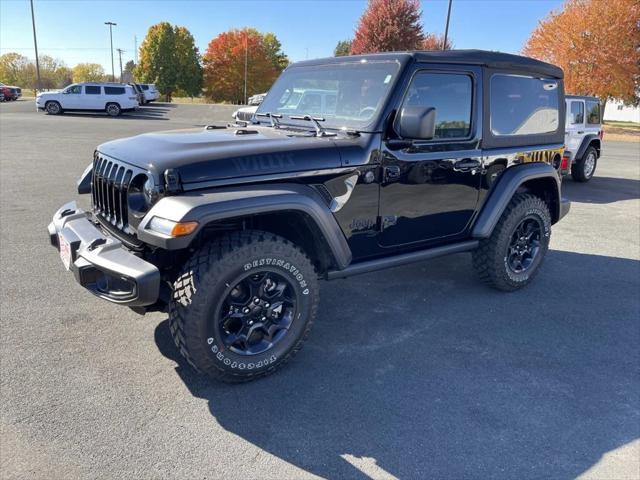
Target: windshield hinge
[[172, 181]]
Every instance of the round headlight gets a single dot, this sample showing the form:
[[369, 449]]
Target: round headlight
[[142, 195]]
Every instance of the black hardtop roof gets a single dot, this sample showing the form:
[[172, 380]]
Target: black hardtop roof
[[484, 58]]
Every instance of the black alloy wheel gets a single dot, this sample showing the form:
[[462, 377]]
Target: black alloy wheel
[[524, 245], [257, 313]]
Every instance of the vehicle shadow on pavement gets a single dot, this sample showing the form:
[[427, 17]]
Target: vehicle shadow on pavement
[[141, 114], [601, 190], [423, 373]]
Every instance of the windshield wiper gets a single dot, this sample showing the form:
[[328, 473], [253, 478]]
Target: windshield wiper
[[273, 118], [320, 132]]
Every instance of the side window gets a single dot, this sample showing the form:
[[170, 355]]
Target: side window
[[522, 105], [450, 94], [593, 113], [74, 89], [114, 90], [145, 87], [92, 90], [576, 113]]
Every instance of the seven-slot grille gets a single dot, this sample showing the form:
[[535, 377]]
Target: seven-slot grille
[[110, 185]]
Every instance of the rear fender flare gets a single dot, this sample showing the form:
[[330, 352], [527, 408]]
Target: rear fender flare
[[226, 203], [586, 141], [506, 187]]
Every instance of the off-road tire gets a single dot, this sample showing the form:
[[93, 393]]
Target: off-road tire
[[578, 169], [490, 258], [206, 280], [113, 109], [53, 108]]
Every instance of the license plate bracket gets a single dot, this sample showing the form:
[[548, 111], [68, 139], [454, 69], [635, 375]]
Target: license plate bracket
[[65, 252]]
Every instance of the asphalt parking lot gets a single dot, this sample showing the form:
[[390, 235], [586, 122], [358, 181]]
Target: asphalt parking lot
[[417, 372]]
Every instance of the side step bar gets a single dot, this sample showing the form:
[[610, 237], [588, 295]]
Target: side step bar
[[402, 259]]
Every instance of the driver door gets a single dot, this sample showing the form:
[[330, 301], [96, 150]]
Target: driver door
[[72, 97], [430, 188]]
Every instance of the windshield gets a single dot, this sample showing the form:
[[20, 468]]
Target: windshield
[[348, 95]]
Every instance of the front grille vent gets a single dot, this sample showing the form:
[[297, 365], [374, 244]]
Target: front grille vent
[[109, 189]]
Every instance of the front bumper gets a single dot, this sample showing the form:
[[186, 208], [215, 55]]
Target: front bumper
[[100, 263]]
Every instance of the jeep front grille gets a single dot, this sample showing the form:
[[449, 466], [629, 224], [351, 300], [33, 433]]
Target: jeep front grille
[[109, 189]]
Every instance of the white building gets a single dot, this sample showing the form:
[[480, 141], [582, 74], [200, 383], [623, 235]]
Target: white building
[[617, 111]]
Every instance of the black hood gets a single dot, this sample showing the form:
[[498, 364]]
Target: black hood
[[201, 155]]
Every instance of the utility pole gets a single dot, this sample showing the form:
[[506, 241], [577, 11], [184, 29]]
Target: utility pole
[[446, 30], [111, 24], [246, 62], [35, 43], [135, 52], [120, 52]]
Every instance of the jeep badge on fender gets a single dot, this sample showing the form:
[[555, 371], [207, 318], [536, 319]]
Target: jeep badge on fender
[[388, 159]]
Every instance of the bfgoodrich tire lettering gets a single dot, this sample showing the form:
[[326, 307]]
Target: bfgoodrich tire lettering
[[200, 293], [492, 260]]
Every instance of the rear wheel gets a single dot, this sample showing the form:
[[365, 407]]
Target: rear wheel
[[113, 109], [584, 168], [53, 108], [243, 306], [512, 255]]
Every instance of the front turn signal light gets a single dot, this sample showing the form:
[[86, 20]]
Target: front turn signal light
[[171, 228]]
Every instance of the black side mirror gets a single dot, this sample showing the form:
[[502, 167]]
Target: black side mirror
[[417, 122]]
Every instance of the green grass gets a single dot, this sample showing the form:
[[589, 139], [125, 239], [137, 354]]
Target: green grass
[[631, 125]]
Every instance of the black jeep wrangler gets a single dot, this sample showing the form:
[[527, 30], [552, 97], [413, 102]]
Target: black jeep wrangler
[[350, 165]]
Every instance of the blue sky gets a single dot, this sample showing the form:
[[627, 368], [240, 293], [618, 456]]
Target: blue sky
[[74, 31]]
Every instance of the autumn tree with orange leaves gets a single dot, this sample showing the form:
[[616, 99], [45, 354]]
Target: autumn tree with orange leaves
[[596, 43], [434, 42], [224, 64], [389, 25]]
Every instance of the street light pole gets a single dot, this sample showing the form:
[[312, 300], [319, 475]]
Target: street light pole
[[35, 43], [111, 24], [446, 30], [246, 62]]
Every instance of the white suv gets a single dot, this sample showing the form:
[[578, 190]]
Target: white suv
[[583, 137], [150, 92], [112, 98]]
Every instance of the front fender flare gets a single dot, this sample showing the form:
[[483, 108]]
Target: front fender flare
[[218, 204], [505, 188]]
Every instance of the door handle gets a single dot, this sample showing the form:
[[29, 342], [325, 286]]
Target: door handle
[[466, 164], [580, 132]]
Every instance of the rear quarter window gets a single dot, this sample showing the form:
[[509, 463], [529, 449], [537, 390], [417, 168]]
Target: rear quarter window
[[114, 90], [593, 112], [521, 105]]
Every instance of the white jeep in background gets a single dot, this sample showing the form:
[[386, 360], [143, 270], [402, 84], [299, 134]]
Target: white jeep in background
[[150, 91], [112, 98], [582, 138]]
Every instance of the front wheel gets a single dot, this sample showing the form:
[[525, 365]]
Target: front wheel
[[583, 170], [512, 255], [243, 306], [53, 108]]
